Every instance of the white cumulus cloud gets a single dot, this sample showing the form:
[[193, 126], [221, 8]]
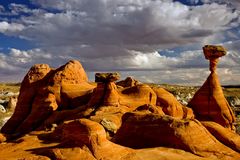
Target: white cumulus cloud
[[6, 27]]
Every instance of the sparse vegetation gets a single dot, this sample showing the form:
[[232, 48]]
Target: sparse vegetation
[[10, 87]]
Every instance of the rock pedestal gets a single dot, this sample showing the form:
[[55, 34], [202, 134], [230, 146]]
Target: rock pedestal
[[105, 94], [209, 103]]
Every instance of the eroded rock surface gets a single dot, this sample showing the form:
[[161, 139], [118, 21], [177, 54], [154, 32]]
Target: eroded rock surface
[[209, 103], [43, 91], [67, 117], [151, 130]]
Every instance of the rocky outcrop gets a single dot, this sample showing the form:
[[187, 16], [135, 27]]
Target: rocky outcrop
[[67, 117], [93, 144], [43, 91], [171, 106], [224, 135], [136, 96], [28, 91], [105, 93], [83, 139], [151, 130], [209, 103]]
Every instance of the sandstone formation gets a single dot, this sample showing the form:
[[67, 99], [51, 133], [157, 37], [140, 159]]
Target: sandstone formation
[[171, 106], [128, 82], [224, 135], [43, 91], [209, 103], [84, 139], [152, 130], [67, 117]]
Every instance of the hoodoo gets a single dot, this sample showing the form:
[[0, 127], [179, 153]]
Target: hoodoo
[[68, 117], [209, 103]]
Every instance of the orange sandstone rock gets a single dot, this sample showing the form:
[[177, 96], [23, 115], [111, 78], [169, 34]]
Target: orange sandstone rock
[[106, 93], [147, 108], [136, 96], [224, 135], [91, 137], [34, 79], [209, 103], [128, 82], [140, 130], [2, 138], [44, 91], [74, 153], [170, 105], [51, 97]]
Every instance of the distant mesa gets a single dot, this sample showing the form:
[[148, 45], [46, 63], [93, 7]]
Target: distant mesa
[[111, 119]]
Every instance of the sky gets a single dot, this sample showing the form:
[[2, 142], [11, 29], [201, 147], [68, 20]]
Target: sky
[[155, 41]]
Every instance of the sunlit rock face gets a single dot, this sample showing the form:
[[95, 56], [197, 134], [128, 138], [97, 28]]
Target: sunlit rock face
[[68, 117], [209, 103], [43, 91]]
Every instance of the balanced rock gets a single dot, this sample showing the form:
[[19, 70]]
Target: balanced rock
[[67, 117], [105, 93], [209, 103]]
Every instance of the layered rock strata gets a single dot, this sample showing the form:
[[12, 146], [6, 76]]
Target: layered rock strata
[[67, 117], [209, 103]]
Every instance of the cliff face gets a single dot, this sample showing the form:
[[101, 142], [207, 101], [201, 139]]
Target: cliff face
[[67, 117]]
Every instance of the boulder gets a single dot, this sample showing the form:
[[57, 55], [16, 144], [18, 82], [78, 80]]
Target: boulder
[[110, 117]]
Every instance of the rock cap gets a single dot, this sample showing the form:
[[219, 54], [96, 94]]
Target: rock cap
[[107, 77], [212, 51]]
